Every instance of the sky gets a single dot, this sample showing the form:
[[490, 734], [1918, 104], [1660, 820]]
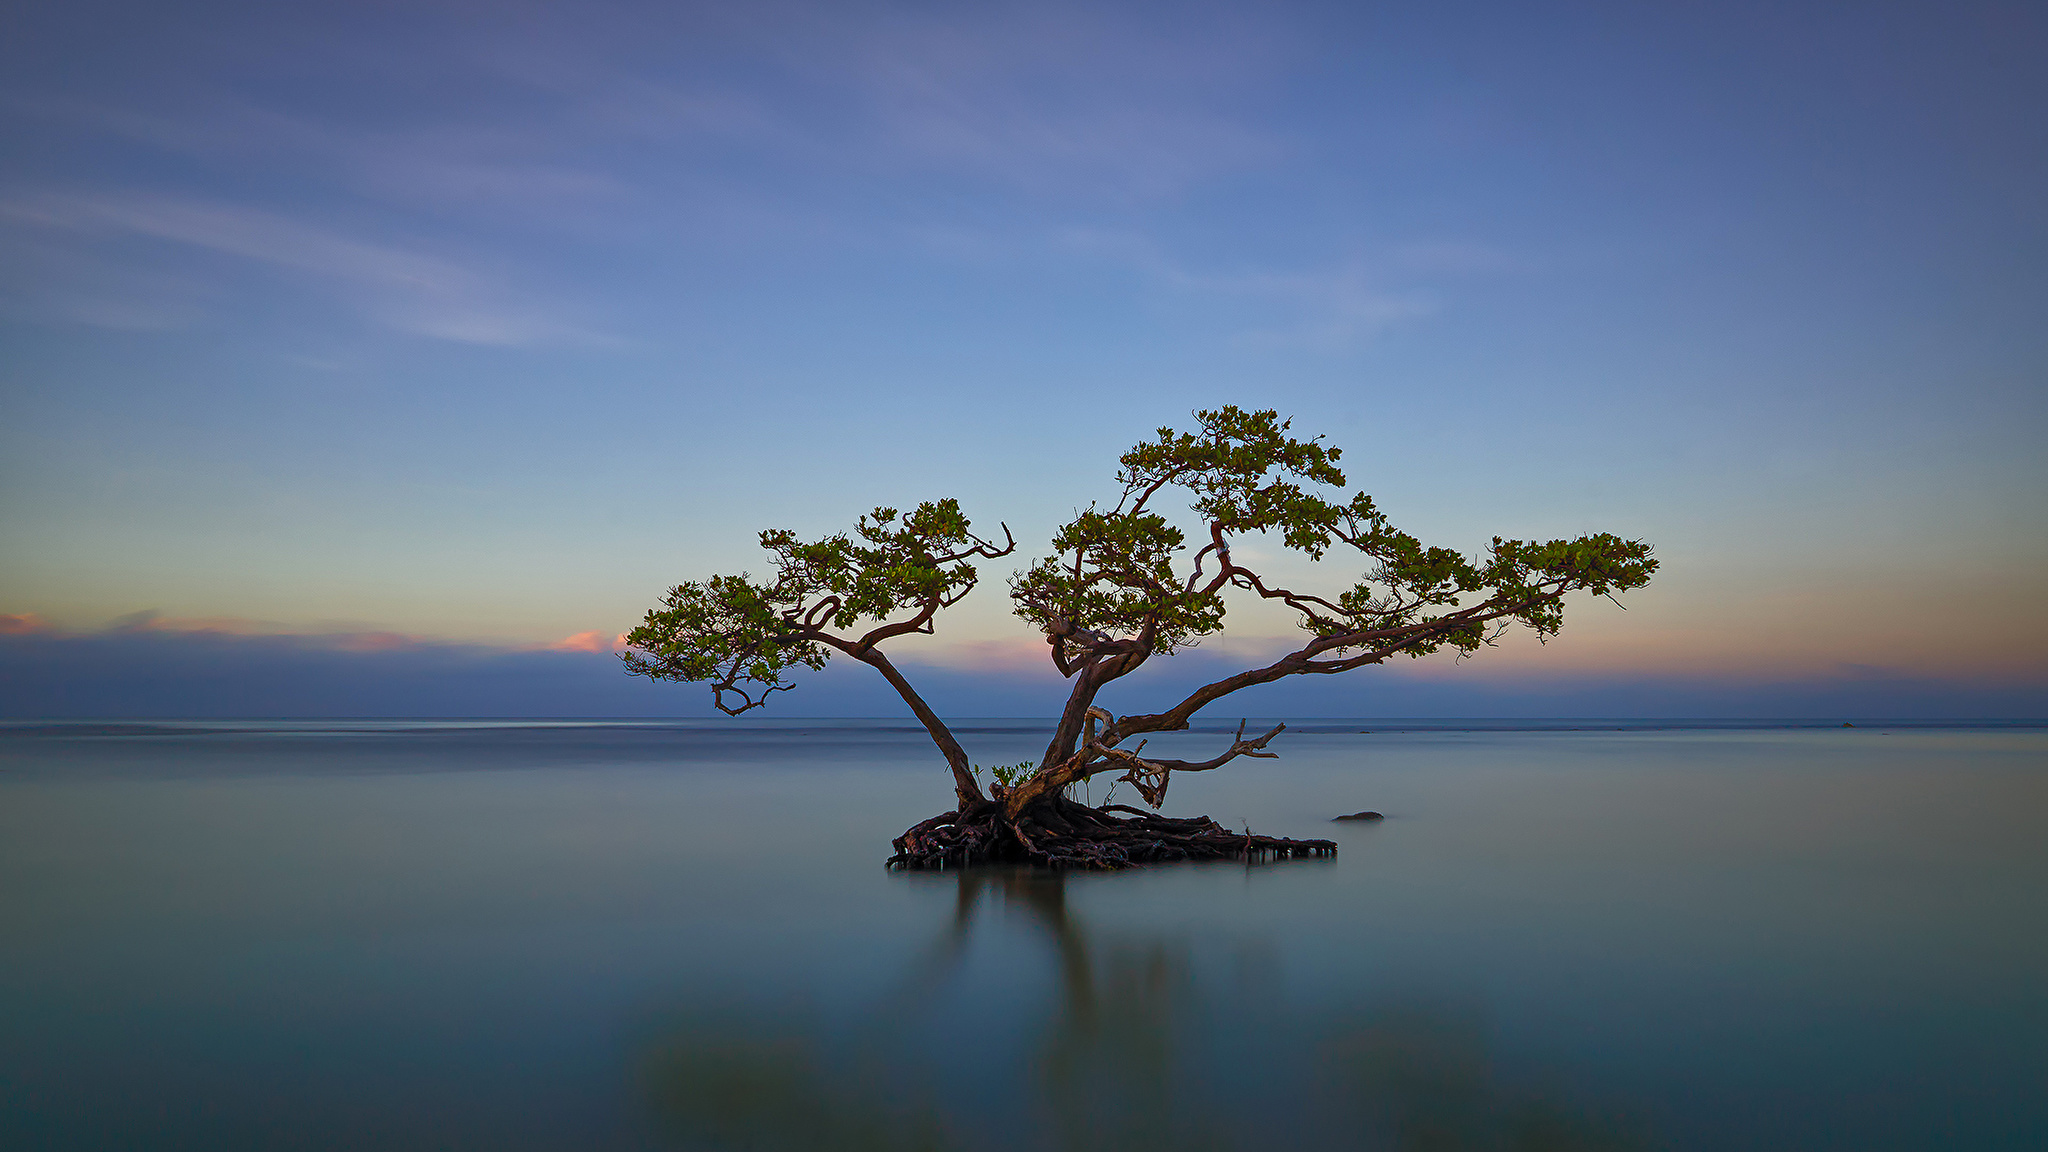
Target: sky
[[429, 343]]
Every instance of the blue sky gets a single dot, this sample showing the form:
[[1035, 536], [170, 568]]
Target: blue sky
[[480, 325]]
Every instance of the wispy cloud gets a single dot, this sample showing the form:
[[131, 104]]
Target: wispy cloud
[[1054, 103], [46, 277], [752, 129], [409, 290], [1334, 305], [513, 169], [1074, 101]]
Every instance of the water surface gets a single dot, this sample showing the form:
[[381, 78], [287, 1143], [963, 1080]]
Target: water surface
[[580, 935]]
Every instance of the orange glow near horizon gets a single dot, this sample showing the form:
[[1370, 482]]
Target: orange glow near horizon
[[1782, 641]]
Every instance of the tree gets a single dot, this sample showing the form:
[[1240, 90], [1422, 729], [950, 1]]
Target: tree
[[1120, 588]]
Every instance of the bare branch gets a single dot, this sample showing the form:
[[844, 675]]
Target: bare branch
[[1221, 545], [812, 617], [731, 684], [1239, 746], [1195, 572], [982, 548], [1250, 581], [918, 623], [1151, 490], [1150, 775]]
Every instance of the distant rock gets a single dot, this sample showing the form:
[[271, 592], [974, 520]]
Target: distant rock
[[1360, 816]]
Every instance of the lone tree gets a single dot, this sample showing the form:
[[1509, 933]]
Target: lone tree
[[1119, 589]]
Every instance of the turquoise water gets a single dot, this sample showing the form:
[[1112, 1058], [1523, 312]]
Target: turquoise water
[[493, 935]]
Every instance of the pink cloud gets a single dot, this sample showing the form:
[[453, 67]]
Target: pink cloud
[[22, 625], [592, 641], [368, 640], [1025, 653]]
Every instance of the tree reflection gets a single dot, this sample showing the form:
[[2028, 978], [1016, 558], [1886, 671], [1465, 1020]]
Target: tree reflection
[[1132, 1050]]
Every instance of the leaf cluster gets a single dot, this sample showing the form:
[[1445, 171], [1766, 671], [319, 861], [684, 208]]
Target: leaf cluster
[[1116, 575], [1113, 570], [1009, 775], [726, 629], [899, 561], [743, 634], [1117, 581]]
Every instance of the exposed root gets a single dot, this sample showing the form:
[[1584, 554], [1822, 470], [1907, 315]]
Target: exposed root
[[1063, 834]]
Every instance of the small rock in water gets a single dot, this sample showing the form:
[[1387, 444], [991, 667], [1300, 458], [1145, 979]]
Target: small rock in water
[[1360, 816]]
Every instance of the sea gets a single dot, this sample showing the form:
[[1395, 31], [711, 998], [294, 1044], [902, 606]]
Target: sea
[[486, 934]]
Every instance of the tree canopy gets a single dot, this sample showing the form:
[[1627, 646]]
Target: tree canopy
[[1122, 584]]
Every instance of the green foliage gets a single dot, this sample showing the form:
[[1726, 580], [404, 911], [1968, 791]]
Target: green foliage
[[727, 629], [904, 561], [1121, 579], [1238, 470], [743, 635], [1008, 775], [1114, 572], [1122, 584]]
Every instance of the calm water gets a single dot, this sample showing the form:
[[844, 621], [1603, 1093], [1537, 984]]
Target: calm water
[[589, 936]]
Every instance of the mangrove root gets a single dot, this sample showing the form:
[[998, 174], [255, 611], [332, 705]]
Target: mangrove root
[[1061, 833]]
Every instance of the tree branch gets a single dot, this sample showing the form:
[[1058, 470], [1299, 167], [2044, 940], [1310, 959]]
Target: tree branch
[[730, 683], [964, 785], [1250, 581], [1148, 774], [1302, 661], [982, 548]]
